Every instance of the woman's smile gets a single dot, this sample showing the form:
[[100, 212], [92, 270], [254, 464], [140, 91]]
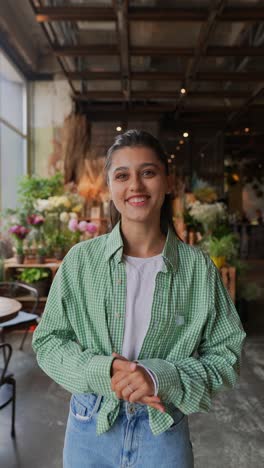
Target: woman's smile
[[138, 201]]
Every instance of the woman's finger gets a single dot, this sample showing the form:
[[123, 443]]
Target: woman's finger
[[119, 375], [121, 364], [150, 399], [142, 391], [119, 356]]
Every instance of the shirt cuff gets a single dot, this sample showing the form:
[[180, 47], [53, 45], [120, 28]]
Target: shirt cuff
[[166, 374], [98, 374], [152, 375]]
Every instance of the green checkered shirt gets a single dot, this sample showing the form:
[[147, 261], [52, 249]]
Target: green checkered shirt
[[193, 343]]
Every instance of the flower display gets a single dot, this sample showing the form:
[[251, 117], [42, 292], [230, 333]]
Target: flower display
[[64, 217], [19, 233], [208, 214], [60, 204], [91, 228], [35, 220], [82, 226], [73, 225]]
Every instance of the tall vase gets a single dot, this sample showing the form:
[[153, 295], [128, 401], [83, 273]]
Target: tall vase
[[20, 258]]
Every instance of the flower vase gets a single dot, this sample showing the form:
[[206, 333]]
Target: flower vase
[[219, 261], [40, 259], [59, 254], [20, 258]]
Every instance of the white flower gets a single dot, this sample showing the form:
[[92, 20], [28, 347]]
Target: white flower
[[64, 217], [208, 213], [42, 204], [73, 215]]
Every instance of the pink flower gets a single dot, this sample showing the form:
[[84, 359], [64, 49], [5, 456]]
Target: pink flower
[[91, 228], [13, 229], [73, 225], [82, 226], [19, 231], [35, 220]]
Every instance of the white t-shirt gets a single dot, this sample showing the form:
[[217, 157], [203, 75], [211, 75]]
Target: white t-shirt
[[141, 274]]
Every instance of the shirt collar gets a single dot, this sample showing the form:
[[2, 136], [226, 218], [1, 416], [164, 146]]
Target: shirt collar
[[114, 247], [114, 243]]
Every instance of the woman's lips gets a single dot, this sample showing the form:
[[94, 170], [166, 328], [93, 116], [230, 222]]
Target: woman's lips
[[138, 201]]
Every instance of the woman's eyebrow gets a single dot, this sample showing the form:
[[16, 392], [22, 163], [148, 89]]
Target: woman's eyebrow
[[141, 165], [121, 168]]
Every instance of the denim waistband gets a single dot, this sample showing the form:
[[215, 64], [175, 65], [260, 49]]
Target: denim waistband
[[94, 402]]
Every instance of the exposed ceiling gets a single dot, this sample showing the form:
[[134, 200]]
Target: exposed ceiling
[[134, 57]]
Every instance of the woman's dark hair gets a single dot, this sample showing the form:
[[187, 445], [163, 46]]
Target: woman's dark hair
[[134, 138]]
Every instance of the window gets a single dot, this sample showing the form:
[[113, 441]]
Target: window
[[13, 132]]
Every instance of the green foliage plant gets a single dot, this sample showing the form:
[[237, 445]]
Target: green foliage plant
[[32, 188], [32, 275]]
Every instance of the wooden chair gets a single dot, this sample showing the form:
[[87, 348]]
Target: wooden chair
[[25, 319], [7, 384]]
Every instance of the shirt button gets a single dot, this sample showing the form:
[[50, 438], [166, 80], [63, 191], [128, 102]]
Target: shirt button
[[119, 281], [117, 315]]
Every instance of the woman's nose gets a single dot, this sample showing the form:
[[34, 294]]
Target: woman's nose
[[136, 182]]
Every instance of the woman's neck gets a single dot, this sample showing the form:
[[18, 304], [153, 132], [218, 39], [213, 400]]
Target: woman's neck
[[141, 240]]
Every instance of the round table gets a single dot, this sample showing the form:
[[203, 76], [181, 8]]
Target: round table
[[9, 308]]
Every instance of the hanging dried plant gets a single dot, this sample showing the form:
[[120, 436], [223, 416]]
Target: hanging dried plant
[[92, 184], [75, 145]]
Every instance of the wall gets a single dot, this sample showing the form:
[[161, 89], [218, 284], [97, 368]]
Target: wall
[[50, 104]]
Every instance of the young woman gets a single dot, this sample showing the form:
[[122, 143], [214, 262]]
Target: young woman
[[138, 326]]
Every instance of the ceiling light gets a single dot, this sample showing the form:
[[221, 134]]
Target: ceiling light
[[118, 129], [185, 134], [169, 160], [172, 156], [246, 129], [181, 142], [183, 91], [178, 148], [235, 177]]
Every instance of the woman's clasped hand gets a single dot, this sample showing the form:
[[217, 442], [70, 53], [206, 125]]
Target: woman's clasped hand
[[133, 383]]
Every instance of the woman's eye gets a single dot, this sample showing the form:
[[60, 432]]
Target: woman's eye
[[149, 173], [121, 176]]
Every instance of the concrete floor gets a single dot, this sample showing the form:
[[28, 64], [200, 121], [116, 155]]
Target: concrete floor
[[230, 436]]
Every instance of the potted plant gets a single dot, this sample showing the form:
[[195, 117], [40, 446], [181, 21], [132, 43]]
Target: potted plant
[[19, 233], [38, 278], [41, 254], [222, 249]]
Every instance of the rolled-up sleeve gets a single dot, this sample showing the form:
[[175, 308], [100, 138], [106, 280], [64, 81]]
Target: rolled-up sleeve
[[58, 352], [191, 383]]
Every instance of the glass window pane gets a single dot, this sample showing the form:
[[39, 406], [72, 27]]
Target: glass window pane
[[13, 165], [12, 95]]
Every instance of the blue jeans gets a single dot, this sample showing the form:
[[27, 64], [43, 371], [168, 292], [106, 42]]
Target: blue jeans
[[129, 442]]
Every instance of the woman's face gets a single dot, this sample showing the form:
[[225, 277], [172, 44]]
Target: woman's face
[[138, 183]]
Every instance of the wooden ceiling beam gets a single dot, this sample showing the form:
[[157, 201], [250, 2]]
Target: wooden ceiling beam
[[98, 49], [85, 50], [73, 13], [83, 13], [246, 14], [169, 76], [161, 108], [144, 95]]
